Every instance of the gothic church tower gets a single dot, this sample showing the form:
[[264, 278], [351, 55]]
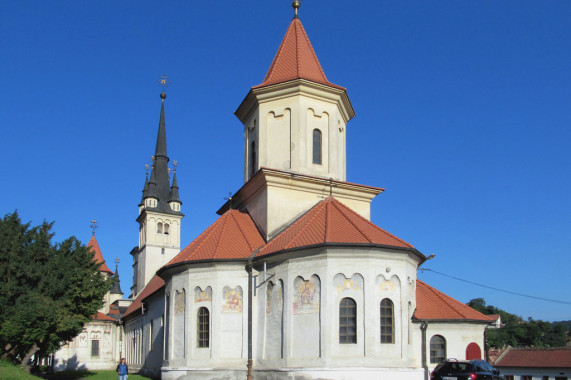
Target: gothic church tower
[[159, 216]]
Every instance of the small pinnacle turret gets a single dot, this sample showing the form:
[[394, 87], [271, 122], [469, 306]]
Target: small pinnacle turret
[[174, 190]]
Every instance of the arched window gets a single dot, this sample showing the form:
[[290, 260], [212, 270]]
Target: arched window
[[347, 321], [317, 146], [387, 321], [437, 349], [166, 229], [253, 158], [159, 228], [203, 328]]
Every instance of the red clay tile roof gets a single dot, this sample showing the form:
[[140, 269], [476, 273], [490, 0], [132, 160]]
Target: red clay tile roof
[[97, 256], [233, 236], [535, 357], [330, 221], [153, 286], [295, 59], [435, 305], [102, 317]]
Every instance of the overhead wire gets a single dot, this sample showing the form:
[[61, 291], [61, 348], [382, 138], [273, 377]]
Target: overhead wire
[[497, 289]]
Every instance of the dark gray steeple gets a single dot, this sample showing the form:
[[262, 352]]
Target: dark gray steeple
[[158, 186], [116, 286]]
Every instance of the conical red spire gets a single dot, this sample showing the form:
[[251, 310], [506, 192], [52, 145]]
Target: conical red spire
[[97, 256], [295, 59]]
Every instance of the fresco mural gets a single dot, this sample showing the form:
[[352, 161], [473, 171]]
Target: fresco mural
[[388, 285], [232, 300], [306, 295], [342, 283], [202, 295]]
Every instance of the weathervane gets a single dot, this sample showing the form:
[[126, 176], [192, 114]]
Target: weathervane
[[175, 164], [93, 226], [116, 264], [229, 198], [164, 83], [295, 4]]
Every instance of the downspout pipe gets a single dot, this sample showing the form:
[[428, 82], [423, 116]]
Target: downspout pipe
[[249, 269], [250, 292], [423, 327]]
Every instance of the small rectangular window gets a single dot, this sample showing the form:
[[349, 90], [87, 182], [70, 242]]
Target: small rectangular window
[[95, 347], [526, 377]]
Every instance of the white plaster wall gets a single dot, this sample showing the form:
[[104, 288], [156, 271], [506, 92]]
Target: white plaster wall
[[282, 127], [143, 338], [458, 336], [77, 353]]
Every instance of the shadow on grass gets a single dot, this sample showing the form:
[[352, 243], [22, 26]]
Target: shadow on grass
[[64, 375]]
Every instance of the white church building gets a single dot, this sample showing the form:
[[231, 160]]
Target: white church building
[[293, 280]]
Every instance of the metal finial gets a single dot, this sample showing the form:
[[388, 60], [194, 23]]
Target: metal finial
[[169, 170], [164, 83], [153, 158], [175, 164], [93, 226], [116, 265], [295, 4], [229, 198]]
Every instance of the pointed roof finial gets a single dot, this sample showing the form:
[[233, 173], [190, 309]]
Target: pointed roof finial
[[93, 226], [295, 4]]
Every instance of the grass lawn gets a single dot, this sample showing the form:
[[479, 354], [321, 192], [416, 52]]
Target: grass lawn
[[93, 375], [10, 371]]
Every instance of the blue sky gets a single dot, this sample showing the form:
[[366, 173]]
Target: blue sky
[[463, 115]]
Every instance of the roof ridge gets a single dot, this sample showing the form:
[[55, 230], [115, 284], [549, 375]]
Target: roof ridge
[[377, 227], [242, 231], [312, 50], [222, 228], [203, 237], [439, 294], [307, 224], [350, 221]]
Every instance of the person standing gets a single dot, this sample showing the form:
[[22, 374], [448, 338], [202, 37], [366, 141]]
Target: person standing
[[122, 369]]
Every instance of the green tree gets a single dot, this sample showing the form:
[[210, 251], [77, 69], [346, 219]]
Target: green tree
[[47, 291], [518, 333]]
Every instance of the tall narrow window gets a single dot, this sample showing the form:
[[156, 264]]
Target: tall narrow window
[[347, 321], [387, 321], [159, 228], [317, 146], [203, 328], [166, 228], [95, 347], [437, 349], [253, 158]]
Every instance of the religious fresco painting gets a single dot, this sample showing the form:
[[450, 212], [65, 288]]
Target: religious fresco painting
[[179, 302], [342, 283], [388, 285], [306, 295], [232, 300], [82, 339], [202, 295]]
